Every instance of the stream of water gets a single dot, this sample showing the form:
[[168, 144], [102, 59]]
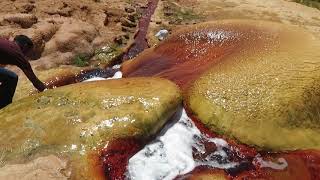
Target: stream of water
[[140, 41]]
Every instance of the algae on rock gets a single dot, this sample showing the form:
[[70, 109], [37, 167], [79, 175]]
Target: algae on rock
[[266, 95], [75, 121]]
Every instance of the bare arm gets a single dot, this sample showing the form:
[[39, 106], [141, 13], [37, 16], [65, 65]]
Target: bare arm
[[33, 78], [11, 53], [24, 65]]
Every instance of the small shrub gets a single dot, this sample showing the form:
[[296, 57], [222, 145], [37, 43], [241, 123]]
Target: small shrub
[[81, 60], [107, 53], [177, 15]]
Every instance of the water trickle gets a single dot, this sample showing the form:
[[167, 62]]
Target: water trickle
[[140, 43]]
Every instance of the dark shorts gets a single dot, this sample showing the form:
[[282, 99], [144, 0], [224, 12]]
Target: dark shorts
[[8, 80]]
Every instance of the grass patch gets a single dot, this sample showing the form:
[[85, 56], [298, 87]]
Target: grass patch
[[81, 60], [107, 54], [310, 3], [177, 14], [101, 56]]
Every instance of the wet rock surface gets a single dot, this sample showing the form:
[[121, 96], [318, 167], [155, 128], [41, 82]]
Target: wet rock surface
[[247, 89], [74, 125], [25, 88], [244, 81], [270, 86]]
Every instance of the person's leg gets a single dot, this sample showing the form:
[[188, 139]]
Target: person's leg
[[8, 84]]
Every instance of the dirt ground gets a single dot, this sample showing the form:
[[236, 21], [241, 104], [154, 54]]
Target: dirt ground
[[63, 29], [69, 34]]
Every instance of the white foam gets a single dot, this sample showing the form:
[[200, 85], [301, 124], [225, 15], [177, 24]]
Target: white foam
[[117, 66], [95, 79], [171, 154], [116, 75], [280, 165]]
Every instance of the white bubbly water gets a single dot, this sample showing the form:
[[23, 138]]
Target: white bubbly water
[[171, 154], [280, 165], [116, 75]]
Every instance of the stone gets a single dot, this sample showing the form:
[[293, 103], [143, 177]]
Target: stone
[[27, 8], [73, 123], [244, 79], [127, 30], [162, 34], [266, 92], [132, 17], [24, 20], [129, 9], [127, 23], [49, 167]]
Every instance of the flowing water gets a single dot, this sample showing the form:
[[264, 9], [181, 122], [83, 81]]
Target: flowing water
[[140, 41]]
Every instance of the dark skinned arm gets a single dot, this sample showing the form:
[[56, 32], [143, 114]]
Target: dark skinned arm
[[10, 53], [33, 78]]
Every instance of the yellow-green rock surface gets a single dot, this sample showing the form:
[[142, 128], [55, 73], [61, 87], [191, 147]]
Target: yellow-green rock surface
[[25, 87], [265, 93], [68, 125]]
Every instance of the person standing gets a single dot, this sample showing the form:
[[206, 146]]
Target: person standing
[[14, 53]]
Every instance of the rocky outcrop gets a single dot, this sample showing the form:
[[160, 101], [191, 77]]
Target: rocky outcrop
[[244, 79], [49, 167], [266, 92], [23, 20], [66, 127], [68, 34], [62, 30]]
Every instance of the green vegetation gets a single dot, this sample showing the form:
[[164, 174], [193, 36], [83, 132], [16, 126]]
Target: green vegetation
[[177, 15], [101, 56], [311, 3], [107, 53], [186, 14], [81, 60]]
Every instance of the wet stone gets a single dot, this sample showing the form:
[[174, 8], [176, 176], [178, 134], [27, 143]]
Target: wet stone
[[244, 79], [266, 93], [73, 123]]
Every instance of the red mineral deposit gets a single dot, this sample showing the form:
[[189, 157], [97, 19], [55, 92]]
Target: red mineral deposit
[[188, 53]]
